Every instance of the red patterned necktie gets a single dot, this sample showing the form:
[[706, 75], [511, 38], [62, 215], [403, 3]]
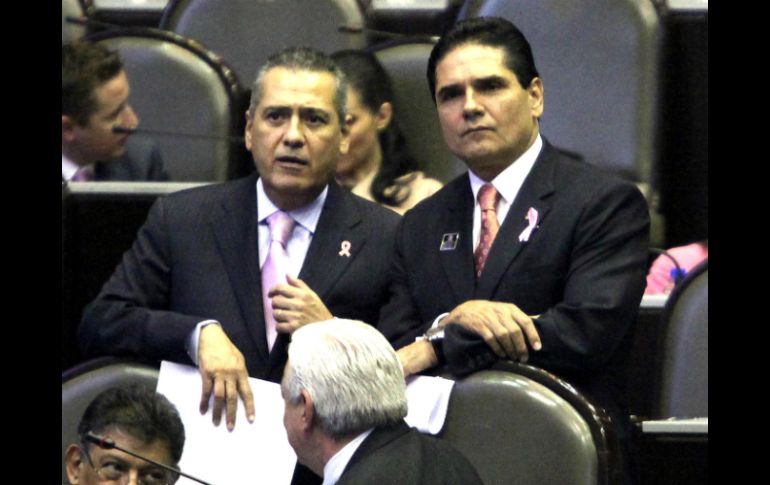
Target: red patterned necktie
[[488, 199], [276, 266]]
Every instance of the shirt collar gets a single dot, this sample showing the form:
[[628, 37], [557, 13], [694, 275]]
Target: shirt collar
[[68, 168], [306, 216], [337, 463], [509, 181]]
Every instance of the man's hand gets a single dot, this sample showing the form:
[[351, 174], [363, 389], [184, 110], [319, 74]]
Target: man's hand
[[223, 371], [295, 305], [416, 357], [503, 326]]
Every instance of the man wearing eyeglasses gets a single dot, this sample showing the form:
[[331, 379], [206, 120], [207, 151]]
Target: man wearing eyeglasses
[[135, 418]]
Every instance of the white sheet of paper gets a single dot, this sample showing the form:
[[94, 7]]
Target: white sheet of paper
[[428, 399], [252, 453]]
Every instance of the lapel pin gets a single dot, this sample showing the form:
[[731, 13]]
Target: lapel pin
[[345, 249], [527, 232], [449, 241]]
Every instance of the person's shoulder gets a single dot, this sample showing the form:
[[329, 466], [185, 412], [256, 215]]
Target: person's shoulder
[[369, 210], [445, 196], [587, 181], [423, 186]]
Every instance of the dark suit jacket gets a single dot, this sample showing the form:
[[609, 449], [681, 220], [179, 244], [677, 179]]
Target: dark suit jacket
[[582, 270], [196, 258], [142, 161], [400, 455]]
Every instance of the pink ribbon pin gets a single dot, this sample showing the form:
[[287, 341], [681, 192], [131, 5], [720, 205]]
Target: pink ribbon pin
[[345, 249], [532, 218]]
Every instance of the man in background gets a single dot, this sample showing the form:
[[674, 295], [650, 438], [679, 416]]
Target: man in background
[[95, 94]]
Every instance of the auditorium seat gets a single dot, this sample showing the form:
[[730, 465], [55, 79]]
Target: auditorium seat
[[71, 31], [247, 32], [82, 383], [519, 424], [178, 86], [683, 379], [406, 62]]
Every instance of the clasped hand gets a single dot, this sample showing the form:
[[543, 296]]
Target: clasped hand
[[503, 326], [295, 304]]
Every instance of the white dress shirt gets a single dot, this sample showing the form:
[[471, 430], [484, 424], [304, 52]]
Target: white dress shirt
[[337, 463], [68, 168]]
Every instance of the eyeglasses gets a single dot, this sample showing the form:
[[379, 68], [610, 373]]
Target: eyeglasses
[[114, 470]]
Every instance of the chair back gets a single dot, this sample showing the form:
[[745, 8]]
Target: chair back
[[406, 62], [683, 389], [247, 32], [178, 86], [598, 60], [82, 383], [71, 31], [519, 424]]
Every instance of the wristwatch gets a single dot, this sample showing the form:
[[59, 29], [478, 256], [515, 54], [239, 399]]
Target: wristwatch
[[435, 336]]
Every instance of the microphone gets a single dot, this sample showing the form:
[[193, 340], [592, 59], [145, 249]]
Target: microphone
[[351, 29], [86, 21], [108, 444], [122, 130], [678, 273]]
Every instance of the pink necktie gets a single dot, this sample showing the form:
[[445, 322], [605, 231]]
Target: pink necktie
[[488, 199], [82, 175], [276, 266]]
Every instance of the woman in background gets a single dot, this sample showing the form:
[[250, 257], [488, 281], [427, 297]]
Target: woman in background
[[377, 166]]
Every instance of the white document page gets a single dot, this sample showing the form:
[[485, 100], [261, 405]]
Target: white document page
[[253, 453]]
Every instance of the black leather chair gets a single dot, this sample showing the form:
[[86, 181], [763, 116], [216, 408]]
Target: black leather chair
[[683, 378], [406, 62], [599, 63], [179, 86], [82, 383], [520, 424], [247, 32]]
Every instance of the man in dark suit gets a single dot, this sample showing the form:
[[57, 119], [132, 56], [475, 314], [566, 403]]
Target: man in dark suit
[[348, 426], [194, 287], [533, 255], [95, 94]]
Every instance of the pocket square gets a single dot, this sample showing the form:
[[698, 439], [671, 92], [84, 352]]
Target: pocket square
[[527, 232]]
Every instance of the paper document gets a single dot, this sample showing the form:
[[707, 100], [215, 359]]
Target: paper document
[[428, 399], [253, 453], [259, 452]]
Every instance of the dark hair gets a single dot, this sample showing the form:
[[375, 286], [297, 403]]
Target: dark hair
[[367, 76], [488, 31], [85, 67], [138, 410], [304, 59]]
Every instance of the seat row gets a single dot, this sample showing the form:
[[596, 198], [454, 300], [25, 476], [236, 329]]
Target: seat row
[[598, 60]]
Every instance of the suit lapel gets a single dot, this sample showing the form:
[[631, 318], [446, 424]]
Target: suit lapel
[[458, 219], [533, 194], [234, 225], [337, 241]]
